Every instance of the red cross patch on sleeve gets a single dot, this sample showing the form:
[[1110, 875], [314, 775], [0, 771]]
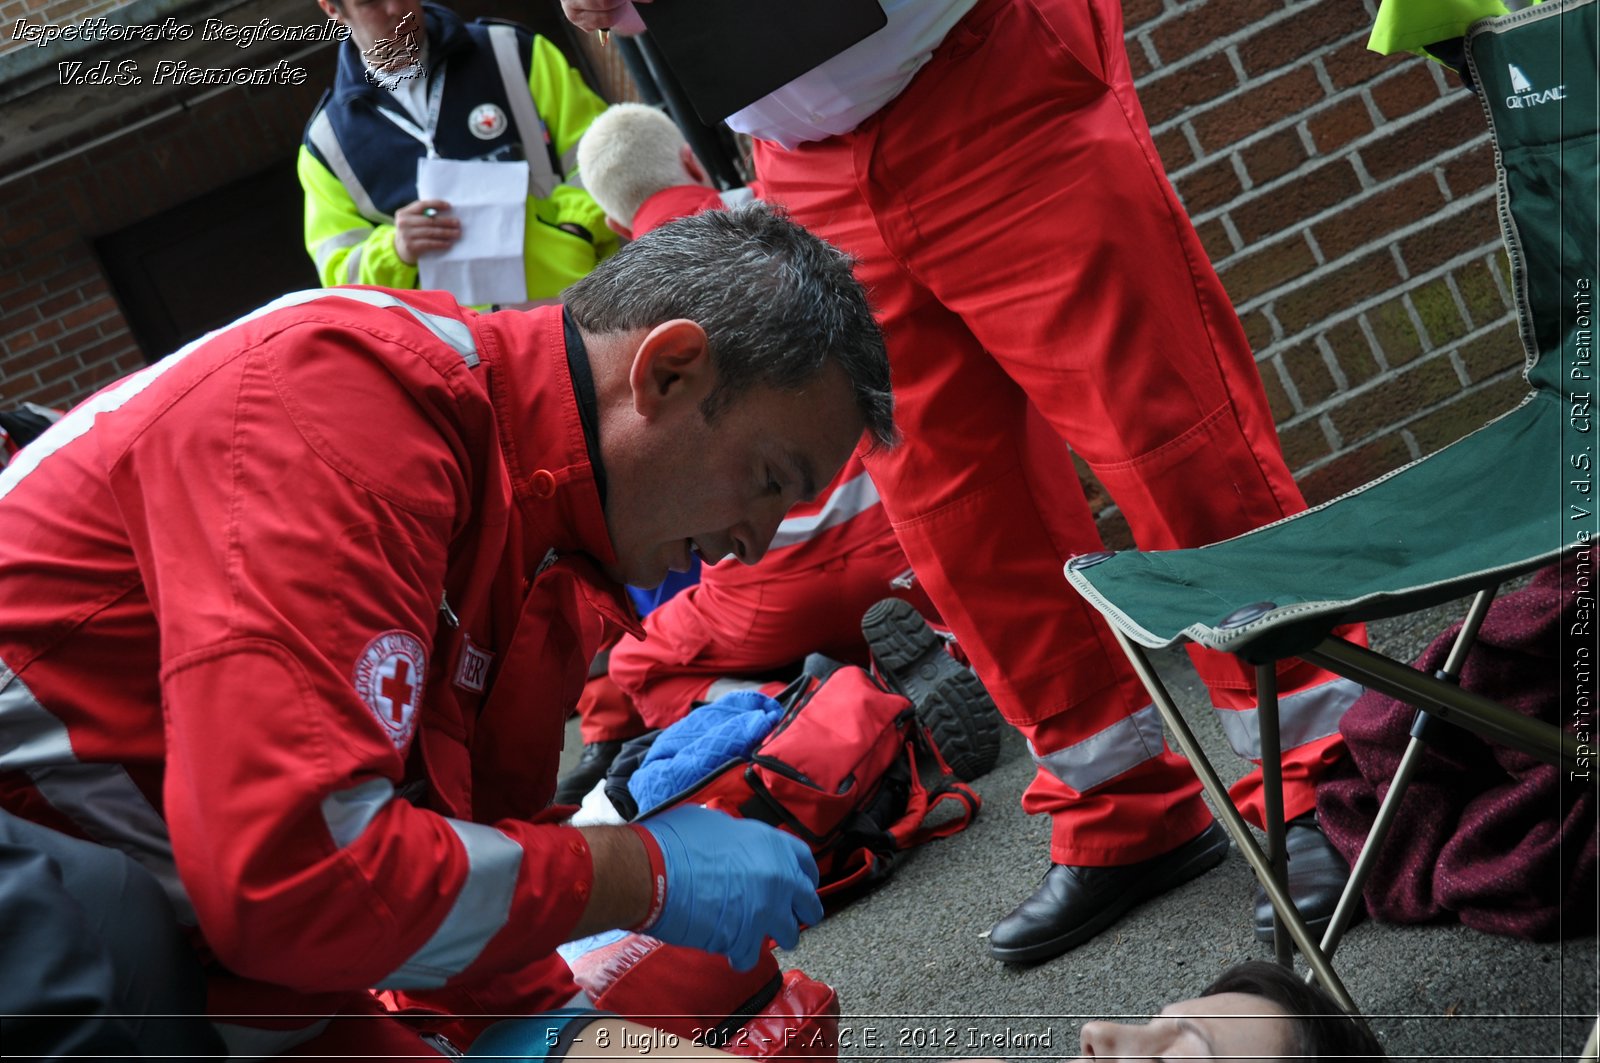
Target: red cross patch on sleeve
[[389, 676]]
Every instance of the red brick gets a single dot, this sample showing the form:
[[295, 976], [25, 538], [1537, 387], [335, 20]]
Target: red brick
[[1468, 413], [1273, 156], [1262, 105], [1474, 227], [1352, 351], [1257, 330], [1286, 205], [1480, 294], [1313, 27], [1374, 216], [1407, 91], [1263, 270], [83, 315], [1169, 94], [22, 318], [1394, 331], [1493, 353], [1277, 395], [1139, 64], [1209, 187], [1215, 239], [1138, 12], [1362, 279], [1303, 443], [62, 393], [1199, 26], [1354, 468], [1419, 143], [1174, 149], [1471, 170], [61, 367], [1437, 310], [1309, 373], [1419, 386], [1353, 64], [1333, 127]]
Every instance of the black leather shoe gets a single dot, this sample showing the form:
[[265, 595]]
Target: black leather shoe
[[1317, 874], [1073, 904], [591, 768]]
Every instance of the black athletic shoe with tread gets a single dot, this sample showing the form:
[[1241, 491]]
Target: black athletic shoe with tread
[[950, 699]]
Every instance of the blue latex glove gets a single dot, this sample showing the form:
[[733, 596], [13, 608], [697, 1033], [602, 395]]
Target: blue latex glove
[[731, 884]]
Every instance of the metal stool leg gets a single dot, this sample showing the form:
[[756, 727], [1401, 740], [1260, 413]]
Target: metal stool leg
[[1237, 828], [1272, 798]]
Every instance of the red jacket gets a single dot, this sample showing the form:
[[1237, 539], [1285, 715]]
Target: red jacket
[[292, 615]]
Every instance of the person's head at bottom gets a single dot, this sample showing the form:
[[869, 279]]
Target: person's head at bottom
[[1253, 1011], [737, 364]]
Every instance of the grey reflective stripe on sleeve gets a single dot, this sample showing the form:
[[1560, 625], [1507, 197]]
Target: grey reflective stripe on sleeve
[[542, 180], [569, 168], [352, 266], [734, 197], [1101, 757], [100, 799], [850, 498], [326, 249], [326, 142], [1304, 716], [30, 735], [246, 1043], [480, 910], [348, 812]]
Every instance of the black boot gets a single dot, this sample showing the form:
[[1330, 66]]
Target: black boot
[[1317, 874], [949, 698], [591, 768], [1073, 904]]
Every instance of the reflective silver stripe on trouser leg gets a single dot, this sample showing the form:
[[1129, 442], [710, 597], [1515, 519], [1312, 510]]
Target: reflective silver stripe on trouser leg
[[1304, 716], [1106, 754]]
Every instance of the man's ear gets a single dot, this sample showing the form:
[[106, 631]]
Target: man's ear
[[330, 10], [672, 365]]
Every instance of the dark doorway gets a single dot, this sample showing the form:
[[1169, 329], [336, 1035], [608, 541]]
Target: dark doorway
[[206, 262]]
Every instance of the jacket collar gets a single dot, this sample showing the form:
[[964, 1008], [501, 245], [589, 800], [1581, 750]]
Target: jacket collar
[[447, 35], [541, 432]]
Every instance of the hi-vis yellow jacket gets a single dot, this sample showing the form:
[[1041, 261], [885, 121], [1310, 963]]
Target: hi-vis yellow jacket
[[508, 96]]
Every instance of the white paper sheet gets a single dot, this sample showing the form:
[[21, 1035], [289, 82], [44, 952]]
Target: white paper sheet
[[489, 198]]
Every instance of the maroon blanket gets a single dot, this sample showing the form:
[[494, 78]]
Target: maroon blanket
[[1486, 835]]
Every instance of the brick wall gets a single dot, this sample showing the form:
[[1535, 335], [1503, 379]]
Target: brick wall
[[62, 12], [61, 330], [1347, 200]]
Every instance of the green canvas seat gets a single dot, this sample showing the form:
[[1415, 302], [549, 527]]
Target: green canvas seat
[[1505, 500]]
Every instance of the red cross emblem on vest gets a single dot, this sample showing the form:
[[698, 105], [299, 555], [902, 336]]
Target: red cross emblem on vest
[[389, 675], [486, 121]]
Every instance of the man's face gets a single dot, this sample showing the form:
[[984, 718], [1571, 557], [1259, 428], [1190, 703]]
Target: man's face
[[721, 488], [388, 32]]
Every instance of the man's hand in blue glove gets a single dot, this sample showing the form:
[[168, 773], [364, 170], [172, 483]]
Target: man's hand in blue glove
[[731, 884]]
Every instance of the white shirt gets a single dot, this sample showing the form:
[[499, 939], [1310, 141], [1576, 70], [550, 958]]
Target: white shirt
[[849, 88]]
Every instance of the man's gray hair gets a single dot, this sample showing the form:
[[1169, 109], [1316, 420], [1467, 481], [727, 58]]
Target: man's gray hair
[[776, 302]]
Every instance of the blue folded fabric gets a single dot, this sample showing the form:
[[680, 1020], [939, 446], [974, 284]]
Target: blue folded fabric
[[700, 743]]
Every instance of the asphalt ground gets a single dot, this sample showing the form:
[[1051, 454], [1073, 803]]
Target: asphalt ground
[[915, 982]]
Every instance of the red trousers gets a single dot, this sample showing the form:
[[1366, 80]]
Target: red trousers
[[1040, 286], [751, 628]]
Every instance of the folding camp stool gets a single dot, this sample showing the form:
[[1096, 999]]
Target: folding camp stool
[[1505, 500]]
